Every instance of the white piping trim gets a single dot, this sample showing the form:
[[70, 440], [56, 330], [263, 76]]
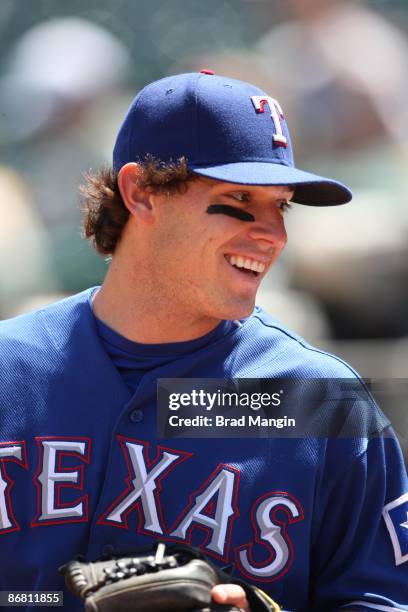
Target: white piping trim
[[373, 606]]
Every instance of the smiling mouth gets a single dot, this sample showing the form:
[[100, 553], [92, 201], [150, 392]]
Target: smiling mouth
[[247, 266]]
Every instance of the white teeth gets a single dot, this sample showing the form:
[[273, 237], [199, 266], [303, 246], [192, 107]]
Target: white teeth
[[248, 264]]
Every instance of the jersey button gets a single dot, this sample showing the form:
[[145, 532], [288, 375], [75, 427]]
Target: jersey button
[[136, 416]]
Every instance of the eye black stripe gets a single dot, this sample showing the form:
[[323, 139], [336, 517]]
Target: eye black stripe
[[231, 211]]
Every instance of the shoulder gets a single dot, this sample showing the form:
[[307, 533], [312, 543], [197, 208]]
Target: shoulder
[[287, 354], [327, 392], [42, 330]]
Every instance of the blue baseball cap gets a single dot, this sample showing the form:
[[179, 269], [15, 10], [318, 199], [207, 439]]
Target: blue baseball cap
[[227, 130]]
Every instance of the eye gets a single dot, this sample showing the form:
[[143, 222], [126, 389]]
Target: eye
[[284, 206], [241, 196]]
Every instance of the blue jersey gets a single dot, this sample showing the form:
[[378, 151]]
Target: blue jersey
[[319, 524]]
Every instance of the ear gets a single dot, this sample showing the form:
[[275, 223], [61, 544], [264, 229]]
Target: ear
[[136, 200]]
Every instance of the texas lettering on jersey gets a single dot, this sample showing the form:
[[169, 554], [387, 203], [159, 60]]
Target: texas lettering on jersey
[[212, 506]]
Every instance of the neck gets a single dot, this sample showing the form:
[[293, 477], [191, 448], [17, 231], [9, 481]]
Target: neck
[[134, 307]]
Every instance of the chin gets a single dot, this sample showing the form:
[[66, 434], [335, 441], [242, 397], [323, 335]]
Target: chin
[[237, 311]]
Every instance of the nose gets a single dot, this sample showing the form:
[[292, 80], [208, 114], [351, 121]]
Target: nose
[[269, 229]]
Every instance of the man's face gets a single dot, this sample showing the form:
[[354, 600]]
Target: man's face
[[212, 246]]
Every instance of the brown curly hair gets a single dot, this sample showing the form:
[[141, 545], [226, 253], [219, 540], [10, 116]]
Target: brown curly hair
[[105, 213]]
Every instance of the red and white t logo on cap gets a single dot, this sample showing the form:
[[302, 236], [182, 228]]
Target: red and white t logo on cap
[[276, 115]]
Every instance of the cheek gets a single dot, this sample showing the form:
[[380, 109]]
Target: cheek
[[179, 246], [196, 241]]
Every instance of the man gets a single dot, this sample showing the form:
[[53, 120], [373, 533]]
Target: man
[[192, 213]]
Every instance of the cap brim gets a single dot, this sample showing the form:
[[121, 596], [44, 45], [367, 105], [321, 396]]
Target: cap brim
[[310, 189]]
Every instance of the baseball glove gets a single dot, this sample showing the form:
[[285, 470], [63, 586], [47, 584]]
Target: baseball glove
[[175, 579]]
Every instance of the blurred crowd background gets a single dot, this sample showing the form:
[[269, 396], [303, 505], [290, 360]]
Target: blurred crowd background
[[68, 71]]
